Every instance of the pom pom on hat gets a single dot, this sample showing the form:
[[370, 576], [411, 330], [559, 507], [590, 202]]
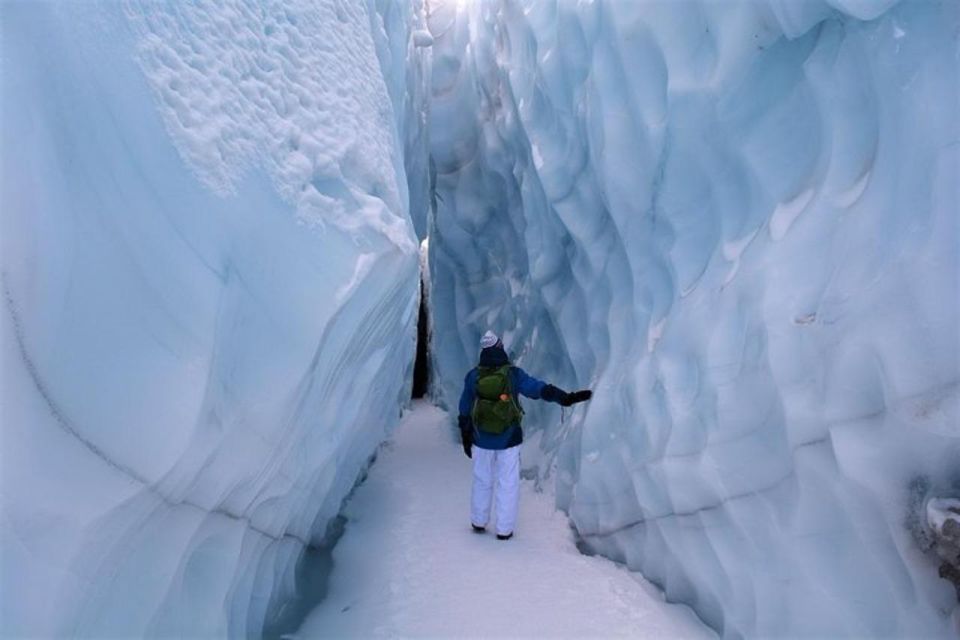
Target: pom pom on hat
[[488, 340]]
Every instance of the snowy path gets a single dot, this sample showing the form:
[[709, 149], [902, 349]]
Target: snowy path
[[408, 564]]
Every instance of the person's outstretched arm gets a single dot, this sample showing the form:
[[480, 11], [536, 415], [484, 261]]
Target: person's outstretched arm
[[530, 387]]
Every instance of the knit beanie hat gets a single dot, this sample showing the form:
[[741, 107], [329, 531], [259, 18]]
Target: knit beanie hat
[[488, 340]]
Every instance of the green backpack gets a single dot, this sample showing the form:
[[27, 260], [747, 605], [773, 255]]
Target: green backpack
[[495, 407]]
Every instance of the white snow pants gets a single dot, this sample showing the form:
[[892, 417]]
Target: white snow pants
[[500, 467]]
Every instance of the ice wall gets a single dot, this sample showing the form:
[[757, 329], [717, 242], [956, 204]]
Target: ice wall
[[738, 223], [209, 291]]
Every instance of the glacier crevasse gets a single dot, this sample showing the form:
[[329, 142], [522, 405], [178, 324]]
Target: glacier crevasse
[[737, 222]]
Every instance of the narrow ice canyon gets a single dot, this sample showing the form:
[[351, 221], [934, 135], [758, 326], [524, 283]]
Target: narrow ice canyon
[[737, 222]]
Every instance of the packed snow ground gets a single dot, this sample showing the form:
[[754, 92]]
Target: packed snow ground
[[409, 565]]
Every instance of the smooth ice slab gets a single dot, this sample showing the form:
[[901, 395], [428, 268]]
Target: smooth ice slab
[[210, 288]]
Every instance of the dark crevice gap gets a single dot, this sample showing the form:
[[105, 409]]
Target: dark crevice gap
[[421, 366]]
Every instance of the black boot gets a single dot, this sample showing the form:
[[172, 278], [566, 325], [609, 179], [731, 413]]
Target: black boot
[[477, 529], [504, 536]]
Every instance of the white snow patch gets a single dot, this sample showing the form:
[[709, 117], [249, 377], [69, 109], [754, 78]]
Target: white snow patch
[[732, 251], [848, 197], [425, 261], [360, 270], [787, 212], [655, 333], [537, 156], [940, 510], [295, 88], [422, 38]]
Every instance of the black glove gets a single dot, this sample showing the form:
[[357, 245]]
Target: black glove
[[575, 397], [466, 433], [552, 394]]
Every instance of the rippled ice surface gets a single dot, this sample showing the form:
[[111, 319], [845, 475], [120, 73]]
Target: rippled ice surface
[[738, 223]]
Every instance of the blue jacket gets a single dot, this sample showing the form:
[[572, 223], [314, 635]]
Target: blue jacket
[[521, 383]]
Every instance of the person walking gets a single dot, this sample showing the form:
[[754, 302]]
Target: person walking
[[489, 421]]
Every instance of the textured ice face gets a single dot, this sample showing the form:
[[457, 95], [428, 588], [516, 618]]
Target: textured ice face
[[738, 223], [210, 287]]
